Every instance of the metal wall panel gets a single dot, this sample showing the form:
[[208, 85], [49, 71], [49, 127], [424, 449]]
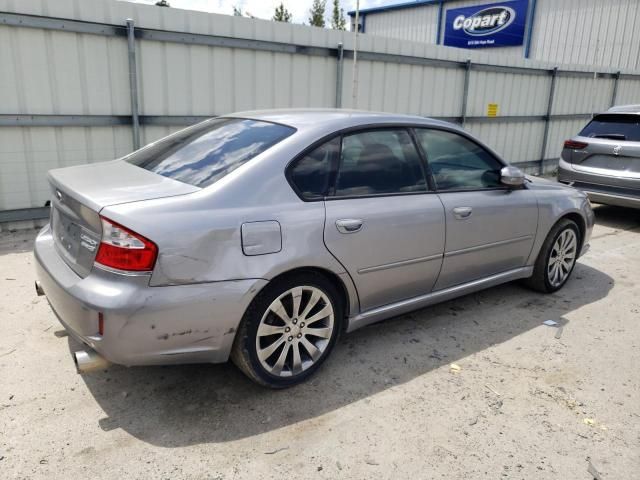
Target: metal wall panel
[[53, 72], [588, 32], [418, 24]]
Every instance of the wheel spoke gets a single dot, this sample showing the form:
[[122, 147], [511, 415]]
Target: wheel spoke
[[311, 348], [278, 308], [265, 353], [296, 294], [265, 330], [323, 313], [315, 296], [297, 360], [279, 365], [319, 332]]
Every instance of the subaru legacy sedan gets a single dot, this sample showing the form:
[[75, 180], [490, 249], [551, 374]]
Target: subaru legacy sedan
[[603, 160], [263, 236]]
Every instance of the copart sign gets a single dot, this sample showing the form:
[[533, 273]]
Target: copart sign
[[483, 26]]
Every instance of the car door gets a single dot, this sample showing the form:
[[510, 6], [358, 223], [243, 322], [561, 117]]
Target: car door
[[490, 228], [382, 222]]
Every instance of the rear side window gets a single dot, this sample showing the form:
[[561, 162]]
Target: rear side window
[[458, 163], [312, 173], [379, 162], [615, 127], [205, 153]]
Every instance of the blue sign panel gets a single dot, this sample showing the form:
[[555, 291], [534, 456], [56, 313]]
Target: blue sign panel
[[484, 26]]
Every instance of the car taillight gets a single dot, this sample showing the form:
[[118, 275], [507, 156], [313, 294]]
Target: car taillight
[[575, 145], [122, 249]]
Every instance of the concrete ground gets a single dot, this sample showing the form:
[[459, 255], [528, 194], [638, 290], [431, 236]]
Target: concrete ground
[[472, 388]]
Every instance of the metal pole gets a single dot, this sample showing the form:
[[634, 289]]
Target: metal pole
[[614, 95], [133, 83], [354, 84], [547, 118], [465, 92], [339, 75]]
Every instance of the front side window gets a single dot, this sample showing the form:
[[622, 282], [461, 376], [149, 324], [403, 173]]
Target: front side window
[[457, 163], [312, 173], [204, 153], [379, 162]]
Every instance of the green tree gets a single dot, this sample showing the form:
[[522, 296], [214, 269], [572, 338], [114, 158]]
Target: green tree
[[237, 12], [316, 14], [338, 21], [282, 14], [162, 3]]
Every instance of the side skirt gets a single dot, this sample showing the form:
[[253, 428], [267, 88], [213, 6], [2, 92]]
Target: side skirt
[[410, 304]]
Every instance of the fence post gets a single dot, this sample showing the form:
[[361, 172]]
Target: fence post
[[465, 91], [547, 117], [339, 71], [614, 95], [133, 82]]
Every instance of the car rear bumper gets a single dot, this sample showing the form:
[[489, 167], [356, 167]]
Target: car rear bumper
[[143, 325], [599, 188]]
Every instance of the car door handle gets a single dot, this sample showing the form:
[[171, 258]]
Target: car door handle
[[349, 225], [462, 212]]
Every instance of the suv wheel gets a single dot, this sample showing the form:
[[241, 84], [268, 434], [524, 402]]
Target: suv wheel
[[288, 330]]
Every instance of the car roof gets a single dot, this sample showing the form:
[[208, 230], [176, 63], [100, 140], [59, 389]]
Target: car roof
[[339, 118], [625, 109]]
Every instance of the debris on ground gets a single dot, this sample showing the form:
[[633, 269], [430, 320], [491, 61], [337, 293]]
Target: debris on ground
[[455, 368], [273, 452], [592, 470], [550, 323]]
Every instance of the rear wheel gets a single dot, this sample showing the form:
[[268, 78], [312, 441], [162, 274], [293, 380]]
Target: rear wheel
[[289, 330], [557, 257]]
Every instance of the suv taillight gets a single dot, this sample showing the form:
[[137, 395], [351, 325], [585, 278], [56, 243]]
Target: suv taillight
[[122, 249], [574, 145]]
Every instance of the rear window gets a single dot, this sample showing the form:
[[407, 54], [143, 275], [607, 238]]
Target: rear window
[[203, 154], [615, 127]]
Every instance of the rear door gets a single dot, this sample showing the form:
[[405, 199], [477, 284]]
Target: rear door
[[489, 228], [382, 222]]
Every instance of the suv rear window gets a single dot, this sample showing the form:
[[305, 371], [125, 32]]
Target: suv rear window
[[203, 154], [614, 126]]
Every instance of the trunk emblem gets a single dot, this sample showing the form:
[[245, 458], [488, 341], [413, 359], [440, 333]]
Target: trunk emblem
[[59, 195], [617, 149]]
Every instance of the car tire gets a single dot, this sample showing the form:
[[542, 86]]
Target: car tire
[[557, 258], [270, 326]]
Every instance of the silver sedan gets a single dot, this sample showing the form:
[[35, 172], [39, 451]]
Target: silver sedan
[[263, 236]]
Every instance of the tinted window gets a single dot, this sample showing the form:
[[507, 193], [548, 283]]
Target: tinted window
[[458, 163], [311, 173], [379, 162], [615, 127], [204, 153]]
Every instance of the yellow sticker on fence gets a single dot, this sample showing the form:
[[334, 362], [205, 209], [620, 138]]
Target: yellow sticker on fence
[[492, 110]]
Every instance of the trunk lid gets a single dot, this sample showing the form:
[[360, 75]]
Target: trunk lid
[[79, 193]]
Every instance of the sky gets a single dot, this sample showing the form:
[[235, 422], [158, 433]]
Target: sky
[[265, 8]]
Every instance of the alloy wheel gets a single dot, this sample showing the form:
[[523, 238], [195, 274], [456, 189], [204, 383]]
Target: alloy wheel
[[295, 331], [562, 257]]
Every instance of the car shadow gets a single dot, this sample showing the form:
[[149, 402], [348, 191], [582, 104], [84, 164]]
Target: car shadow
[[184, 405], [619, 218]]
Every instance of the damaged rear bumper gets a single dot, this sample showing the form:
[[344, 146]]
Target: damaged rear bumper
[[143, 325]]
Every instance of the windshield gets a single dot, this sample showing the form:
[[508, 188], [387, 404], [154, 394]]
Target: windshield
[[615, 127], [205, 153]]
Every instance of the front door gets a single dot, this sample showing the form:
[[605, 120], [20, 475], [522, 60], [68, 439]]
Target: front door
[[382, 222], [490, 228]]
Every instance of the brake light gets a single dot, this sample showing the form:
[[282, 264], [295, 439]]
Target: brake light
[[123, 249], [575, 145]]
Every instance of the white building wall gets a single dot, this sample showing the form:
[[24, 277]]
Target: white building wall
[[586, 32], [60, 72]]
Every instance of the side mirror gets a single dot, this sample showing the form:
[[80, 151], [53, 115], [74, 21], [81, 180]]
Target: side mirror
[[511, 176]]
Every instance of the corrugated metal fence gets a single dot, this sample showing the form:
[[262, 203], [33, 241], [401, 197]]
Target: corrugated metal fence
[[73, 89]]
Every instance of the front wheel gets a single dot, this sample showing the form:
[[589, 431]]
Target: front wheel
[[288, 330], [557, 257]]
